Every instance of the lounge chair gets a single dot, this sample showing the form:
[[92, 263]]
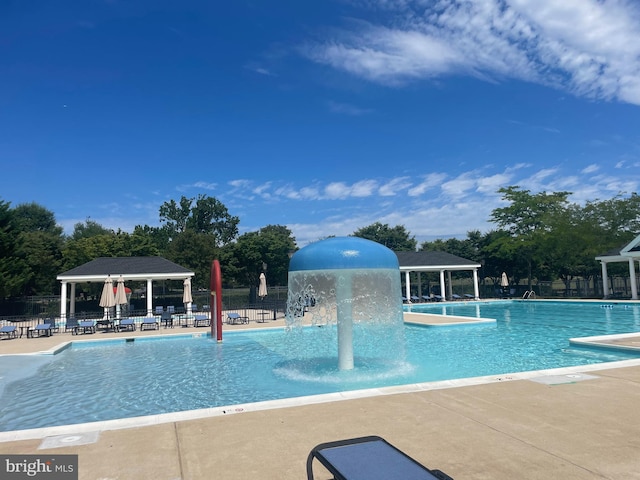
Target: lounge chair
[[85, 326], [167, 319], [126, 324], [201, 321], [415, 298], [427, 298], [159, 310], [468, 296], [52, 322], [455, 296], [10, 331], [71, 324], [171, 309], [437, 298], [41, 330], [150, 323], [236, 319], [369, 458]]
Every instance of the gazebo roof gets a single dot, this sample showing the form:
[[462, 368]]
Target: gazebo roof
[[433, 261], [622, 254], [131, 268]]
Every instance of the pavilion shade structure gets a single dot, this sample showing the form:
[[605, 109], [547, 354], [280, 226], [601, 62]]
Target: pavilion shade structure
[[148, 269]]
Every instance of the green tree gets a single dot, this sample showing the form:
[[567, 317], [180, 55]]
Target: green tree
[[194, 251], [13, 270], [269, 247], [89, 228], [207, 216], [397, 238], [39, 245], [527, 219]]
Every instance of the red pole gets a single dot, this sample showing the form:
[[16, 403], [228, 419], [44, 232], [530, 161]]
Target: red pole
[[216, 301]]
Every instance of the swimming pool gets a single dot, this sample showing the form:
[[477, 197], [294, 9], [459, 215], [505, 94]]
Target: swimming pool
[[102, 380]]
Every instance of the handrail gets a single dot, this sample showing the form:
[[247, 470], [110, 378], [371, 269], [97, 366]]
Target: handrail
[[528, 294]]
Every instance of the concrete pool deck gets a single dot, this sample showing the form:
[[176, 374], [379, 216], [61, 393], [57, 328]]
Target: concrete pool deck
[[580, 423]]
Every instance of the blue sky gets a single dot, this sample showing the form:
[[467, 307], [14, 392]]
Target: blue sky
[[324, 116]]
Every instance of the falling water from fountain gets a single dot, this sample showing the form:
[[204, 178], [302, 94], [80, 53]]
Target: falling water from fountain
[[350, 287]]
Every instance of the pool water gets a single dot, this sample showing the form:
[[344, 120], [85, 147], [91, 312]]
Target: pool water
[[93, 381]]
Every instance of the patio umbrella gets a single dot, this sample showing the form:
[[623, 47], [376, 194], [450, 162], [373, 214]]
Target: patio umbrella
[[262, 288], [121, 295], [186, 294], [107, 299], [504, 281]]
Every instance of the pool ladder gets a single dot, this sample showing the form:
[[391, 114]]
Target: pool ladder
[[529, 294]]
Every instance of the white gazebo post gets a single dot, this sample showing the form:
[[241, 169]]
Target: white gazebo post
[[476, 291], [149, 298], [443, 292], [605, 279], [449, 285], [632, 275], [407, 286], [63, 301]]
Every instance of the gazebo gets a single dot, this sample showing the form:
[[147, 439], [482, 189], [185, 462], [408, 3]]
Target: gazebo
[[630, 253], [147, 269], [441, 262]]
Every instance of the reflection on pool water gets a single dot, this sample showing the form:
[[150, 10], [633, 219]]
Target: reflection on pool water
[[95, 381]]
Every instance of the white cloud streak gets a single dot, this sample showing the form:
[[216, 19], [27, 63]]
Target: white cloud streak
[[589, 48]]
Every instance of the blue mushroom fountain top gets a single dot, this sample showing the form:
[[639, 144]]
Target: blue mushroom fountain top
[[343, 253]]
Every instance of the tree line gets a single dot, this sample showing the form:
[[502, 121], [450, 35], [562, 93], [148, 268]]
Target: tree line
[[538, 236]]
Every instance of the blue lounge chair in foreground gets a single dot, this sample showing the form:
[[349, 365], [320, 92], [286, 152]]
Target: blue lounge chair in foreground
[[10, 331], [369, 458], [150, 323]]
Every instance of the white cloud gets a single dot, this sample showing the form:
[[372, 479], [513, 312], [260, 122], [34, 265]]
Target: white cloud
[[587, 47], [348, 109], [394, 186], [591, 168]]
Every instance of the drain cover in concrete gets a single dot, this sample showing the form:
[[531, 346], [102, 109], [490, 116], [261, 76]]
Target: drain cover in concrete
[[560, 379], [69, 440]]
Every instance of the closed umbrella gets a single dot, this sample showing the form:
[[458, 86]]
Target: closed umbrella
[[504, 283], [262, 288], [186, 294], [121, 295], [107, 299]]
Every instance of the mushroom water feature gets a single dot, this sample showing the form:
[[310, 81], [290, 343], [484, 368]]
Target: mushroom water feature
[[351, 287]]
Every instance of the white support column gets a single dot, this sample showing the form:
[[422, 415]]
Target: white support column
[[449, 285], [632, 275], [419, 287], [149, 298], [407, 286], [443, 293], [476, 289], [63, 301], [605, 280]]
